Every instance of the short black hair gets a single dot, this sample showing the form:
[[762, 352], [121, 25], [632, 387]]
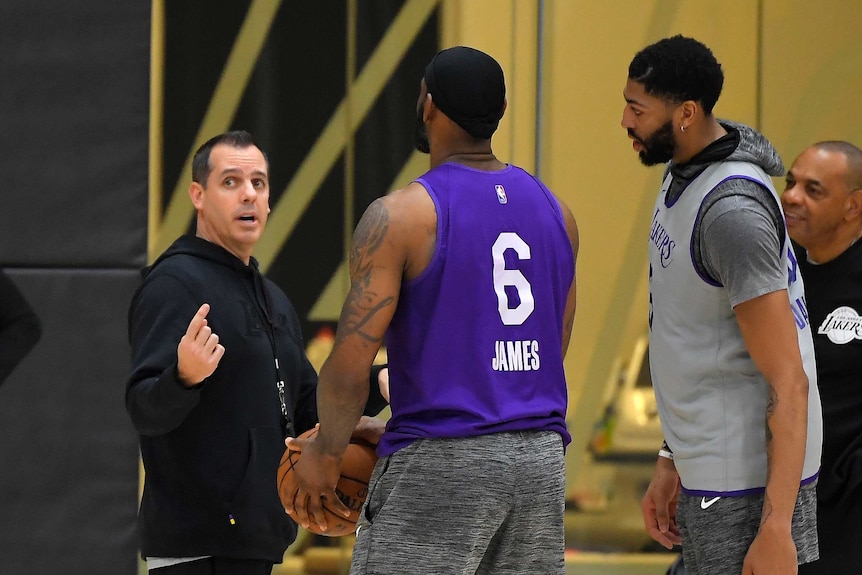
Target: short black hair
[[677, 69], [201, 161]]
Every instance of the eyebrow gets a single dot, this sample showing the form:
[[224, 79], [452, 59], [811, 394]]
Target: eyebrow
[[631, 100], [810, 181], [234, 170]]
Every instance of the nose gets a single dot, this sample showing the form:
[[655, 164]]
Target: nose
[[626, 120], [791, 194], [249, 192]]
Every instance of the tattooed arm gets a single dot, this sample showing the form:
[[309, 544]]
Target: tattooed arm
[[393, 241], [769, 331], [376, 263]]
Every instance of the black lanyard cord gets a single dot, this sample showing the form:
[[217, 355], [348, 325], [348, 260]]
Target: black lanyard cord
[[263, 309]]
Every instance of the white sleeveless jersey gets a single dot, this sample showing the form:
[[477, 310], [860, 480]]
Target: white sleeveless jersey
[[711, 397]]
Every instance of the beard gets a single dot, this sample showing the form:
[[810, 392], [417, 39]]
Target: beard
[[420, 135], [659, 147]]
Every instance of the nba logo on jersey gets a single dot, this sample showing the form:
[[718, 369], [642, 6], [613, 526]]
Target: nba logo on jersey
[[501, 194]]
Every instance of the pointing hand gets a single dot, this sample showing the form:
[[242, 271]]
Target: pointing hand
[[199, 351]]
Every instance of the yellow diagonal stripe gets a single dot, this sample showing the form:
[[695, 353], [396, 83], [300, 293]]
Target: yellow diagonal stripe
[[328, 305], [323, 155], [156, 131], [220, 113]]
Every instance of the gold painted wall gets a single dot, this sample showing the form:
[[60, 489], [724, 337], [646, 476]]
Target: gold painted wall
[[792, 69], [812, 73], [506, 29]]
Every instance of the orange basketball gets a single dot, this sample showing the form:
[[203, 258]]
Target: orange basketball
[[352, 488]]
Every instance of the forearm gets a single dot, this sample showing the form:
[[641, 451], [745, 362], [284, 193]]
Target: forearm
[[770, 335], [160, 403], [342, 395], [787, 424], [157, 401]]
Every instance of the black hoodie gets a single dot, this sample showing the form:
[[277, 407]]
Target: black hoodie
[[211, 453]]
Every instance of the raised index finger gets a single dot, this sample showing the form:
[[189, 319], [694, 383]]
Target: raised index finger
[[198, 320]]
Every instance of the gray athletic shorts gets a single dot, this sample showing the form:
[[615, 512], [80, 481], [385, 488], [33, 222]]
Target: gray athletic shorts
[[487, 504], [717, 531]]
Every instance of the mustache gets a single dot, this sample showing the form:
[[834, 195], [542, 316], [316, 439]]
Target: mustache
[[633, 136]]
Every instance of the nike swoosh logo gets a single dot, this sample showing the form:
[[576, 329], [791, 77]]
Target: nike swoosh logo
[[705, 503]]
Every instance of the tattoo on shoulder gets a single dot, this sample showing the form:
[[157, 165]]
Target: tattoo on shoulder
[[371, 230], [363, 303]]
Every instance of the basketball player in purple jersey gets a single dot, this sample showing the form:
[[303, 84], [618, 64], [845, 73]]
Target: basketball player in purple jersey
[[470, 273]]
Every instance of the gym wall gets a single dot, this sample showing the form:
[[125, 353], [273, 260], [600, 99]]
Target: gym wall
[[73, 114]]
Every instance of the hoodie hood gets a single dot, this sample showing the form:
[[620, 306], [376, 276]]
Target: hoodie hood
[[201, 248], [754, 148], [741, 144]]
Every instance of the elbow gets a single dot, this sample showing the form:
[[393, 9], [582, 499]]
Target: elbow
[[792, 390], [152, 418], [802, 384], [149, 426]]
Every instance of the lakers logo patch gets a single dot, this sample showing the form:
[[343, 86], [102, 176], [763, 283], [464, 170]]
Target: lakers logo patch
[[842, 325]]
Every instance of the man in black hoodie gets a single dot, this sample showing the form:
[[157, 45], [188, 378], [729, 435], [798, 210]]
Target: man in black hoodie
[[219, 379]]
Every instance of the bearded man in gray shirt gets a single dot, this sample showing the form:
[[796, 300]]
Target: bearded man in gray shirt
[[731, 353]]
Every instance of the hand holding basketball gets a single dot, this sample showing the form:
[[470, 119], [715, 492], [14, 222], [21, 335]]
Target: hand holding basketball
[[335, 510]]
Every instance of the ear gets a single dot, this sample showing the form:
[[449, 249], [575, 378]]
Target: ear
[[688, 113], [853, 205], [505, 105], [196, 193], [427, 107]]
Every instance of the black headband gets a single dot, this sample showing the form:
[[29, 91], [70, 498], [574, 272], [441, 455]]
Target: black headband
[[468, 86]]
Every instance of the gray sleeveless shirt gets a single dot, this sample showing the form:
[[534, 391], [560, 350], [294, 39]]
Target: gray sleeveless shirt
[[711, 397]]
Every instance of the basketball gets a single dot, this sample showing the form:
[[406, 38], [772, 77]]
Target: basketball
[[352, 488]]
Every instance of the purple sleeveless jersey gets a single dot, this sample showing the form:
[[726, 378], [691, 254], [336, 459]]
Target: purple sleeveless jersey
[[475, 343]]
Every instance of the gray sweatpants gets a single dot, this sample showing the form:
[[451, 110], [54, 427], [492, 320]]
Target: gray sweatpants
[[717, 531], [487, 504]]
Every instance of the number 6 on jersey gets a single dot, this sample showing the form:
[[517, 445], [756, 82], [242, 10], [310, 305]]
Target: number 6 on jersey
[[505, 277]]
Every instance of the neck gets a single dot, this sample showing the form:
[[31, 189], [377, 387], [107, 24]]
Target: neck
[[696, 138], [824, 254], [241, 254], [476, 158]]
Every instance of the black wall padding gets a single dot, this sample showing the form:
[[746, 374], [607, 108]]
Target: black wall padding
[[74, 113], [74, 119], [68, 453]]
